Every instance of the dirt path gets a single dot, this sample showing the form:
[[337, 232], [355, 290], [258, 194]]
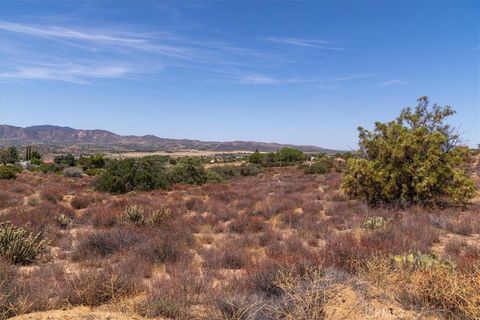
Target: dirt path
[[80, 313]]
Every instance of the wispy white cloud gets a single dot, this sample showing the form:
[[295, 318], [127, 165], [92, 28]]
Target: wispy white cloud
[[393, 82], [56, 51], [256, 78], [310, 43], [142, 51], [354, 77], [67, 73]]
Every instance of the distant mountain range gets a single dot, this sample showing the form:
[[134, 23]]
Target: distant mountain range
[[56, 136]]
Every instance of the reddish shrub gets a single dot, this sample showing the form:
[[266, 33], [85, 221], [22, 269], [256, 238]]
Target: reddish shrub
[[9, 199], [244, 223], [81, 202], [230, 255], [52, 193], [104, 242]]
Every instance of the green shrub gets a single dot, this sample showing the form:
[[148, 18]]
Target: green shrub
[[290, 155], [8, 155], [19, 246], [123, 176], [66, 159], [9, 172], [94, 172], [256, 157], [93, 162], [49, 168], [189, 171], [321, 166], [226, 172], [411, 160], [215, 177], [250, 169]]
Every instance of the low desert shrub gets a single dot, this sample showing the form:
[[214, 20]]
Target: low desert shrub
[[93, 287], [230, 255], [466, 224], [241, 307], [102, 243], [158, 250], [244, 223], [80, 202], [173, 298], [72, 172], [52, 194], [250, 169], [8, 199]]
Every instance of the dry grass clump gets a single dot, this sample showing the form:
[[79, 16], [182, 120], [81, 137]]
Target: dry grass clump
[[291, 294], [174, 297], [452, 293], [466, 224], [456, 294]]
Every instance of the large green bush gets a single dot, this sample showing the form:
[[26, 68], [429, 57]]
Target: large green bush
[[414, 159], [8, 155], [65, 159], [188, 170], [126, 175], [290, 155], [9, 171], [320, 166], [93, 162], [256, 157]]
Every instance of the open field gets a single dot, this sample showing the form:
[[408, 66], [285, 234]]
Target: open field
[[281, 245]]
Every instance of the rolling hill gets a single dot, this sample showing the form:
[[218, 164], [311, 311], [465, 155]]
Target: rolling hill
[[57, 136]]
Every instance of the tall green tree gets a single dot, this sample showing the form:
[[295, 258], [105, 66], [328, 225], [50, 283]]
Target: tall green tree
[[414, 159]]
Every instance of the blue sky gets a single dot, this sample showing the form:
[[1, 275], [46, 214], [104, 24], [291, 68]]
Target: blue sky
[[304, 72]]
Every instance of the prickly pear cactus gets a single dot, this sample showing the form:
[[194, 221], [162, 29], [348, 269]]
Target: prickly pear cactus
[[374, 223], [421, 261]]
